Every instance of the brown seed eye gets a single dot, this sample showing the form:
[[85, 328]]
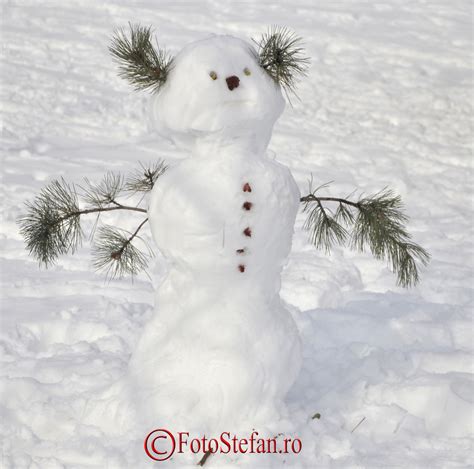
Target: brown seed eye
[[247, 71], [213, 75]]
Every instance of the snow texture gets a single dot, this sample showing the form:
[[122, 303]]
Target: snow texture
[[388, 102]]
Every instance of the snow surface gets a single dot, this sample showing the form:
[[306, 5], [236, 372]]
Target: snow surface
[[388, 102]]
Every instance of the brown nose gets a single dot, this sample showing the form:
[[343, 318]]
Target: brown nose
[[232, 82]]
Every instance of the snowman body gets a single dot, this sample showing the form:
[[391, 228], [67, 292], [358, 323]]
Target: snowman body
[[221, 350]]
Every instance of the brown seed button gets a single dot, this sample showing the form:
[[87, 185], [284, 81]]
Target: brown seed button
[[240, 251], [247, 187], [242, 268], [247, 205], [247, 232]]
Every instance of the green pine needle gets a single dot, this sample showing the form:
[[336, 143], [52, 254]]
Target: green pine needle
[[324, 230], [281, 55], [376, 223], [104, 193], [344, 214], [140, 63], [115, 254], [379, 226], [51, 226], [145, 178]]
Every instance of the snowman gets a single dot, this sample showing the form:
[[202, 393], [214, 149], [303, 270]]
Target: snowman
[[221, 350]]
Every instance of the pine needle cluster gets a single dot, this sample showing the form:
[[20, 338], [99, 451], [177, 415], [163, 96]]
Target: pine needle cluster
[[105, 193], [144, 179], [115, 254], [281, 54], [51, 226], [376, 223], [140, 63]]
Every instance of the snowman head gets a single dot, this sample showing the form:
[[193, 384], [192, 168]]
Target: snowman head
[[216, 85], [220, 85]]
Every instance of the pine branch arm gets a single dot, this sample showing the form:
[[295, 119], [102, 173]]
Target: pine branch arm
[[378, 224], [313, 198]]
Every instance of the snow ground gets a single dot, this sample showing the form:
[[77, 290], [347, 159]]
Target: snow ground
[[388, 102]]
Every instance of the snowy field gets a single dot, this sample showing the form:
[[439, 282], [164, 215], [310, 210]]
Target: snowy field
[[388, 102]]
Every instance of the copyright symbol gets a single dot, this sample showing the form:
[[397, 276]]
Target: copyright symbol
[[160, 437]]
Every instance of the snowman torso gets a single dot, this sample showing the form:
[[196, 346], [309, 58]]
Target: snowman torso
[[227, 216]]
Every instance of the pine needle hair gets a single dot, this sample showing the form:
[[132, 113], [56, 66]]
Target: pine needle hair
[[146, 66]]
